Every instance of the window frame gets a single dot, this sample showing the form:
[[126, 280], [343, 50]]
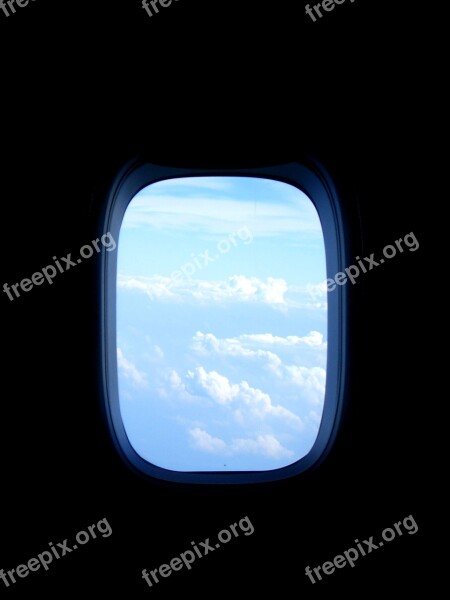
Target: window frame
[[312, 179]]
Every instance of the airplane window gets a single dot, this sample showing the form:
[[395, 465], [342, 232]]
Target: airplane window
[[223, 349], [221, 323]]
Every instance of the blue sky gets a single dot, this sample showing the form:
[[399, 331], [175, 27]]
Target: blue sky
[[221, 323]]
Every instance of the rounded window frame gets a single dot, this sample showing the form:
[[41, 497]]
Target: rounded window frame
[[312, 179]]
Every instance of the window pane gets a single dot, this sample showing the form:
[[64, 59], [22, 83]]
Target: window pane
[[221, 324]]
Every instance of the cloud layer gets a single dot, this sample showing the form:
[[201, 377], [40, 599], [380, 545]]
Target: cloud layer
[[248, 404], [129, 371], [236, 288], [265, 445], [311, 380]]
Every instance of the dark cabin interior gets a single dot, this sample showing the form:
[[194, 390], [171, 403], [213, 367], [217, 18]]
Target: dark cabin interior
[[215, 85]]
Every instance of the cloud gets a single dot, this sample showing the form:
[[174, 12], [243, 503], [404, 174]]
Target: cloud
[[207, 343], [154, 354], [178, 386], [266, 445], [315, 417], [156, 287], [216, 386], [311, 379], [242, 345], [246, 402], [322, 306], [314, 338], [237, 288], [130, 371], [253, 346], [202, 440], [312, 296], [316, 290]]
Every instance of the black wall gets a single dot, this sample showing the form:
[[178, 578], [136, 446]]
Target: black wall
[[212, 83]]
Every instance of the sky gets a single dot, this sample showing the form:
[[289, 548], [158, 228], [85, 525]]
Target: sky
[[221, 324]]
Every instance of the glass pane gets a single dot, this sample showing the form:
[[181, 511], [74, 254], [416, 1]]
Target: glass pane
[[221, 324]]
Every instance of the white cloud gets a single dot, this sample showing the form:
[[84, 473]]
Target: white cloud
[[246, 402], [311, 379], [237, 288], [129, 370], [311, 296], [207, 343], [316, 290], [240, 344], [178, 386], [253, 346], [315, 417], [314, 338], [215, 385], [156, 287], [266, 445], [154, 354], [322, 306], [202, 440]]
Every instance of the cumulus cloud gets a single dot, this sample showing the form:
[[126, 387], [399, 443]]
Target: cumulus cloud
[[254, 346], [311, 296], [156, 287], [271, 291], [242, 345], [316, 290], [246, 402], [314, 338], [311, 379], [129, 370], [237, 288], [202, 440], [266, 445], [178, 386], [207, 343]]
